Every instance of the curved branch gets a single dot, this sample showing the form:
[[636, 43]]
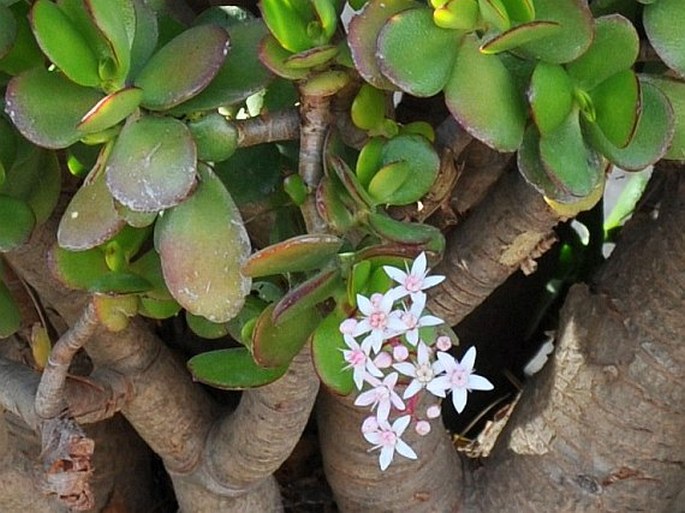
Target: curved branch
[[280, 126]]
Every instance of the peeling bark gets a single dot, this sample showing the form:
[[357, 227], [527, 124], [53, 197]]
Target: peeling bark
[[603, 428]]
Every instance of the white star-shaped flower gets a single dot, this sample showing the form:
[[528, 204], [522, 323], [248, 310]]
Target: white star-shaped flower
[[414, 281], [382, 396], [379, 319], [459, 378], [359, 361], [424, 373], [388, 439]]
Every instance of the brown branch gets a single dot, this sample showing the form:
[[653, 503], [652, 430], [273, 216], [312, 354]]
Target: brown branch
[[267, 128]]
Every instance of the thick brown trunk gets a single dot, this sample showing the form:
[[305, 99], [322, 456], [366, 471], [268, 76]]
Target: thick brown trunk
[[603, 429]]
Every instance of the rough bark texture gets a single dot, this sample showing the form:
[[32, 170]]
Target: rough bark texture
[[492, 243], [604, 427], [430, 484]]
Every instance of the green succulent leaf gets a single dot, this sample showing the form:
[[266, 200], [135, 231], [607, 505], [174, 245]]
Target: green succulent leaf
[[273, 56], [653, 133], [388, 181], [370, 160], [675, 92], [46, 107], [205, 328], [116, 21], [362, 33], [17, 222], [241, 75], [550, 95], [457, 14], [77, 269], [614, 49], [573, 166], [522, 11], [157, 308], [119, 282], [149, 266], [519, 35], [494, 13], [417, 55], [616, 103], [231, 369], [368, 107], [664, 21], [289, 21], [152, 165], [574, 38], [10, 317], [90, 218], [110, 110], [331, 205], [275, 345], [327, 353], [23, 53], [64, 44], [482, 95], [307, 295], [300, 253], [313, 57], [145, 37], [8, 30], [410, 234], [531, 168], [216, 139], [203, 245], [202, 49]]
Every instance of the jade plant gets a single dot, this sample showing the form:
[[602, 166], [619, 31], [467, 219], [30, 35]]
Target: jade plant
[[253, 179]]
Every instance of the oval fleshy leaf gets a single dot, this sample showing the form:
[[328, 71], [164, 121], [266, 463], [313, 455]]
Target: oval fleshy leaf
[[550, 95], [388, 182], [288, 22], [415, 54], [152, 165], [231, 369], [205, 328], [203, 245], [494, 14], [664, 21], [331, 204], [63, 43], [327, 353], [24, 53], [570, 163], [241, 75], [457, 14], [202, 51], [8, 30], [17, 222], [614, 48], [312, 57], [116, 20], [46, 107], [411, 234], [522, 11], [274, 346], [307, 295], [520, 34], [111, 110], [10, 317], [574, 38], [273, 56], [90, 219], [616, 102], [145, 37], [531, 168], [119, 282], [149, 266], [482, 95], [362, 34], [653, 133], [675, 92], [77, 269], [300, 253]]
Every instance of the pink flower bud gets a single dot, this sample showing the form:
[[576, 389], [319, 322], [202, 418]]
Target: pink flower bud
[[423, 427], [369, 425], [348, 326], [383, 360], [433, 412], [443, 343], [400, 353]]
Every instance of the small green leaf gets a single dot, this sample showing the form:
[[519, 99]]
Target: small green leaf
[[110, 110], [300, 253], [494, 13], [231, 369], [550, 95], [288, 22], [653, 133], [273, 56], [275, 345], [614, 49], [90, 218], [64, 44], [482, 95], [370, 160], [522, 11], [327, 353], [157, 308], [307, 295], [313, 57], [201, 49], [46, 107], [77, 269], [675, 92], [362, 33], [8, 30], [149, 266], [145, 37], [664, 21], [368, 107], [152, 165], [206, 329], [325, 83], [16, 222], [215, 138], [417, 55], [119, 282], [10, 317], [569, 162], [574, 38], [24, 53], [413, 234], [331, 199], [388, 182], [203, 244], [116, 20], [616, 103], [457, 14], [519, 35]]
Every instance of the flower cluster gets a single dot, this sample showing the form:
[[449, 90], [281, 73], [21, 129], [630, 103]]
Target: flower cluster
[[386, 344]]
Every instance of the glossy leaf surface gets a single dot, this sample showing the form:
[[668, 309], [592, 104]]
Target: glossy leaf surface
[[616, 102], [664, 21], [152, 165], [550, 95], [519, 35], [16, 222], [675, 92], [77, 269], [231, 369], [481, 90], [327, 346], [300, 253], [116, 20], [8, 30], [110, 110]]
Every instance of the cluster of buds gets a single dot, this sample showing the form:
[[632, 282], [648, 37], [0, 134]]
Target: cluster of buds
[[393, 344]]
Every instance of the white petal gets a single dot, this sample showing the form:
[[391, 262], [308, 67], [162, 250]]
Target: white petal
[[446, 360], [439, 386], [401, 424], [405, 368], [412, 337], [397, 401], [459, 399], [477, 382], [365, 398], [405, 450], [386, 303], [430, 320], [469, 359], [358, 377], [372, 369], [418, 304], [373, 437], [383, 411], [418, 268], [385, 459], [423, 353], [363, 326], [413, 389], [364, 305], [432, 281], [395, 273]]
